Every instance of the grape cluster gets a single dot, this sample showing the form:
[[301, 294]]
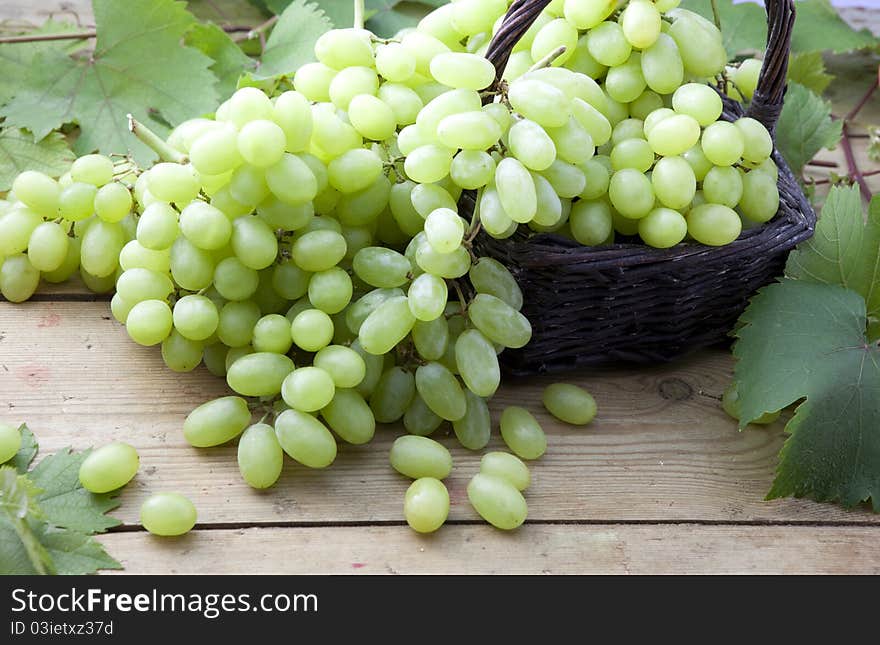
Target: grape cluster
[[309, 248]]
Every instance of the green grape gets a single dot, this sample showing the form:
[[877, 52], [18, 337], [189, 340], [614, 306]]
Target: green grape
[[662, 66], [426, 503], [95, 284], [522, 433], [349, 416], [350, 83], [259, 374], [235, 327], [19, 278], [404, 102], [313, 80], [625, 83], [234, 281], [674, 182], [291, 180], [757, 143], [272, 334], [582, 61], [489, 276], [109, 467], [293, 113], [77, 201], [149, 322], [261, 143], [427, 198], [699, 43], [312, 330], [760, 196], [191, 267], [364, 207], [591, 222], [419, 419], [500, 322], [723, 185], [713, 224], [446, 265], [516, 190], [567, 179], [113, 202], [549, 210], [137, 284], [305, 439], [594, 122], [596, 179], [441, 391], [341, 48], [260, 458], [474, 428], [173, 182], [462, 71], [381, 267], [354, 170], [556, 33], [233, 354], [470, 17], [508, 467], [100, 249], [357, 313], [343, 364], [631, 193], [663, 228], [628, 129], [569, 403], [248, 186], [412, 137], [205, 226], [181, 354], [497, 501], [168, 514], [632, 153], [722, 143], [531, 145], [572, 142], [216, 151], [731, 405], [394, 63], [477, 363], [47, 246], [157, 227], [640, 23], [216, 422], [431, 338], [539, 101], [319, 250], [253, 242], [372, 117], [195, 317], [674, 135], [416, 457], [469, 131], [608, 45], [699, 101], [96, 170], [248, 104], [472, 169], [308, 389], [586, 14], [330, 290], [495, 221], [38, 192], [10, 442], [698, 162], [444, 230], [392, 395], [215, 359], [745, 77], [386, 325], [501, 114], [68, 266], [428, 164]]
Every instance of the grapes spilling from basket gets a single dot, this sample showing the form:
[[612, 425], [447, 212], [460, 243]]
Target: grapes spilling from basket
[[310, 249]]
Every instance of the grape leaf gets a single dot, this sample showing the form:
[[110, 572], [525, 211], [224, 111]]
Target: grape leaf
[[808, 69], [818, 27], [25, 455], [340, 12], [845, 250], [19, 151], [230, 62], [75, 553], [139, 66], [743, 26], [805, 126], [292, 41], [807, 341], [64, 501], [387, 23], [21, 550]]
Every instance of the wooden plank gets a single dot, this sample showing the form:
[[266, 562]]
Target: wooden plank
[[661, 449], [532, 549]]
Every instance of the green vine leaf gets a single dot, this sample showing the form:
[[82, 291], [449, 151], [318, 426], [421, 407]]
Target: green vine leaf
[[292, 41], [19, 151], [805, 127], [25, 455], [808, 69], [230, 62]]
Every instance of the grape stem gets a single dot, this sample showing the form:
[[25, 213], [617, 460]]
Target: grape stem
[[86, 35], [359, 14], [154, 141], [715, 14], [548, 60]]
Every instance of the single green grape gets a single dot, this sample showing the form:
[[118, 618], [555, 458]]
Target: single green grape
[[168, 514], [109, 467]]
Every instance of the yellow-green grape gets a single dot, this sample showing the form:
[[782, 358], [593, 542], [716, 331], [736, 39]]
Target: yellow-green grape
[[522, 433], [569, 403], [426, 505], [259, 374], [757, 142], [474, 428], [663, 228], [305, 439], [760, 198], [497, 501], [92, 169], [349, 416], [168, 514], [109, 467], [730, 404], [260, 458], [312, 330], [216, 422], [343, 364], [37, 191], [10, 442], [112, 202], [415, 457], [714, 224], [506, 466], [149, 322]]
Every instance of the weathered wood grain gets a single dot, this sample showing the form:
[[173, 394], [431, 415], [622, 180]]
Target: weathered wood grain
[[660, 450], [532, 549]]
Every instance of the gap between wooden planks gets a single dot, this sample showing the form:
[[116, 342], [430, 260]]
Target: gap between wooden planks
[[532, 549], [661, 449]]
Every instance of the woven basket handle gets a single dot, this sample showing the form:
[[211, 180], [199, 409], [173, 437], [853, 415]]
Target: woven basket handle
[[766, 104]]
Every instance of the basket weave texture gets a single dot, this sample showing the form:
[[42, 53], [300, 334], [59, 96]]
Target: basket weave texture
[[630, 302]]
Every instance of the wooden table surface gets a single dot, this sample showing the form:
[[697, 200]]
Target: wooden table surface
[[661, 482]]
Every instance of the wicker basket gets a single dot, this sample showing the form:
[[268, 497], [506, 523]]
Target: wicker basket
[[630, 302]]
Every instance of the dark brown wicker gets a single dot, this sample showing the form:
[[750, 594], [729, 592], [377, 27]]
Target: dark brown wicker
[[629, 302]]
